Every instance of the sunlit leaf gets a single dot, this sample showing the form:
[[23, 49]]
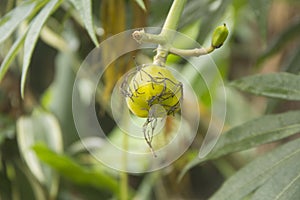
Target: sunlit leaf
[[74, 172], [261, 130], [54, 39], [10, 21], [85, 11], [32, 37], [259, 171], [11, 55], [141, 4], [276, 85], [40, 127], [60, 94]]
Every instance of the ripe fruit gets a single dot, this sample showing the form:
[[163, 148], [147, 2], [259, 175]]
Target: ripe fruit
[[151, 85]]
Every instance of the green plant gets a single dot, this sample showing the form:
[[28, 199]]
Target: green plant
[[155, 85], [43, 42]]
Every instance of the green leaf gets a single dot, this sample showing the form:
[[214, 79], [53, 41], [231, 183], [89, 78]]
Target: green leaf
[[40, 127], [258, 172], [260, 8], [85, 11], [281, 40], [213, 16], [293, 63], [276, 85], [74, 172], [60, 94], [11, 55], [282, 186], [259, 131], [32, 37], [10, 21], [7, 127], [141, 4]]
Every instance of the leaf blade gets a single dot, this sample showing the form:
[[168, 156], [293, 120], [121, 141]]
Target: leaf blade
[[32, 37], [141, 4], [258, 172], [74, 172], [259, 131], [85, 11], [281, 40], [12, 53], [40, 127], [280, 85], [11, 20], [255, 132], [283, 185]]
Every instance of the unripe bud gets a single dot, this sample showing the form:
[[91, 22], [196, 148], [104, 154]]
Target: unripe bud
[[219, 36]]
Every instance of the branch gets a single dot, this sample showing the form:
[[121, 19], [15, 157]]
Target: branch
[[143, 37], [191, 52]]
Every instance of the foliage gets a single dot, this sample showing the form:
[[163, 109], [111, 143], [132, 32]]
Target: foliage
[[43, 42]]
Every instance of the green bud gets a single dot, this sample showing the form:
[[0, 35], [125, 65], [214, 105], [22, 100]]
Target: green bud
[[219, 36]]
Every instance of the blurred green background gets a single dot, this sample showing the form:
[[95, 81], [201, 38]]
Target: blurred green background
[[43, 43]]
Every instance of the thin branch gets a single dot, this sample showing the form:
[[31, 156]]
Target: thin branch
[[143, 37], [191, 52]]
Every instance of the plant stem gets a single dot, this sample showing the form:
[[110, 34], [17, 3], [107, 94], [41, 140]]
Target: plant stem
[[164, 39], [173, 17], [167, 31], [123, 174], [124, 185], [191, 52]]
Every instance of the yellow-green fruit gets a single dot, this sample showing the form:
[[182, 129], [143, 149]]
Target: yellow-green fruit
[[152, 85], [219, 36]]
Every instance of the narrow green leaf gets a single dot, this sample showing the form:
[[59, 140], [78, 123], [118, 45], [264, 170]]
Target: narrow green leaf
[[293, 63], [85, 11], [7, 127], [10, 21], [282, 186], [281, 40], [74, 172], [60, 101], [276, 85], [40, 127], [211, 16], [141, 4], [260, 8], [11, 55], [32, 37], [258, 172], [259, 131]]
